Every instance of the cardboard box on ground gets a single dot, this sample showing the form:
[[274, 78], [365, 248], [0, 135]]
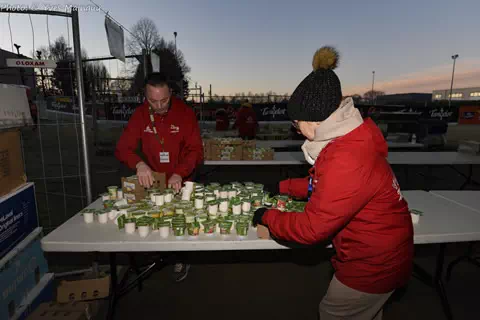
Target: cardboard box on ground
[[74, 310], [133, 191], [12, 172]]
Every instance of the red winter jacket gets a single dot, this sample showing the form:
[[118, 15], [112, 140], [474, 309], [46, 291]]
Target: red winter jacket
[[222, 123], [180, 132], [246, 122], [356, 201]]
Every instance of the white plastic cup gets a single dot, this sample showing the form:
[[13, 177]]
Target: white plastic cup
[[144, 231], [152, 197], [168, 197], [159, 199], [216, 193], [186, 195], [112, 214], [189, 186], [232, 194], [103, 217], [246, 206], [237, 209], [223, 206], [415, 218], [210, 198], [105, 197], [88, 217], [223, 194], [164, 232], [130, 227], [213, 210], [119, 194], [199, 203]]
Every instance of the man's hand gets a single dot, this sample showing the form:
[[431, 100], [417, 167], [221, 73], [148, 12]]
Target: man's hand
[[175, 182], [144, 174]]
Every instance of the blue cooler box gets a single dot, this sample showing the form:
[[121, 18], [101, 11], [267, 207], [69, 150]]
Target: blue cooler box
[[18, 217], [20, 271]]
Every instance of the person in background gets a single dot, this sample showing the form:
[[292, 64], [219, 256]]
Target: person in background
[[246, 122], [170, 138], [353, 197], [222, 123]]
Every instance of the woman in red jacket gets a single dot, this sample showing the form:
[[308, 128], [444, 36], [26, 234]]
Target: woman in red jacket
[[354, 198]]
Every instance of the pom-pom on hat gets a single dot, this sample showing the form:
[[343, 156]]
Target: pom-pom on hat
[[320, 93]]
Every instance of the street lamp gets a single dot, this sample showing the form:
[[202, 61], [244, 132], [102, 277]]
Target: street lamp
[[454, 57], [175, 35], [373, 84], [21, 70], [39, 57]]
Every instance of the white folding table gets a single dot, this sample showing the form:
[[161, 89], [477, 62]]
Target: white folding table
[[443, 221], [298, 143], [468, 199]]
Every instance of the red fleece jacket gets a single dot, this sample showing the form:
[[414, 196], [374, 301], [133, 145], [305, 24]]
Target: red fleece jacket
[[356, 201], [181, 134]]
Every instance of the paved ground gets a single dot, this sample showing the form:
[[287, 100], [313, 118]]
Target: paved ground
[[262, 285]]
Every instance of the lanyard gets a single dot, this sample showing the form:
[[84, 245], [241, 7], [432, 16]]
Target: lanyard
[[152, 120]]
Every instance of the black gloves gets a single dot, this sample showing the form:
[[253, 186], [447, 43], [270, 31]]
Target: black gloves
[[257, 217]]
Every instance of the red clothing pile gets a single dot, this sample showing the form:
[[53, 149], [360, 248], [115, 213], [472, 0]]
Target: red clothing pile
[[356, 201]]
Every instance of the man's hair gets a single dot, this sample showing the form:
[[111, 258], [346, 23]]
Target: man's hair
[[157, 79]]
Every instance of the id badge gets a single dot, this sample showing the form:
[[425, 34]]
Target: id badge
[[164, 157]]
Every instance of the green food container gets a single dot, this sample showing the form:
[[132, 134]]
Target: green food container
[[242, 229], [108, 204], [179, 230], [121, 222], [225, 227], [193, 229], [209, 227]]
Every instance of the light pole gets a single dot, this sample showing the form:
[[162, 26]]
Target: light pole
[[373, 84], [454, 57], [175, 35], [39, 57], [21, 70]]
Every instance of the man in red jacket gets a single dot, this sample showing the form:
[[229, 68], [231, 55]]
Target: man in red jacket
[[246, 122], [169, 132], [170, 136], [222, 123], [354, 198]]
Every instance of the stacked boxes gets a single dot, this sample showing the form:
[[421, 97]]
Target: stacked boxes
[[235, 149]]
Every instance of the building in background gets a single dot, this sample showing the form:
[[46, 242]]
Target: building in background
[[19, 76], [463, 94], [404, 99]]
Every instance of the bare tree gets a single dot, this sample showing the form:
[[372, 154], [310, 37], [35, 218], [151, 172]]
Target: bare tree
[[372, 95], [146, 36]]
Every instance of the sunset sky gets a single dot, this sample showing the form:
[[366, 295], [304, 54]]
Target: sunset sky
[[258, 46]]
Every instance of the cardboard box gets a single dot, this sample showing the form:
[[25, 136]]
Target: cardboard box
[[20, 271], [207, 149], [82, 290], [258, 154], [12, 172], [249, 143], [43, 292], [18, 217], [132, 190], [66, 311], [227, 149]]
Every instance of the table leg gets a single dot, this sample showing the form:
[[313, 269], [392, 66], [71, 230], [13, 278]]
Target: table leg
[[436, 281], [468, 256], [439, 283], [113, 286], [134, 265]]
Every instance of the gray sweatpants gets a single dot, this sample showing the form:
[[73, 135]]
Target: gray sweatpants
[[342, 302]]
